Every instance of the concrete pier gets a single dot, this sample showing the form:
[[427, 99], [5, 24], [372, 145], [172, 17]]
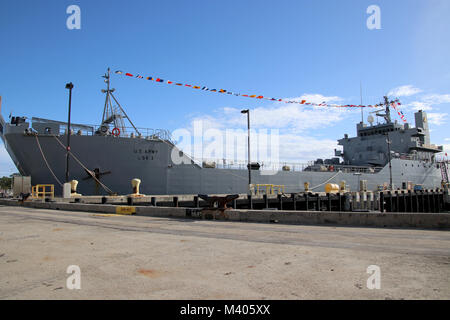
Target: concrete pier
[[344, 218]]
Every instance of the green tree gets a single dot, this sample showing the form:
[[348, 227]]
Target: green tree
[[5, 183]]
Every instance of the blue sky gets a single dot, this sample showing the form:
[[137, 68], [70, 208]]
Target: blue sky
[[320, 49]]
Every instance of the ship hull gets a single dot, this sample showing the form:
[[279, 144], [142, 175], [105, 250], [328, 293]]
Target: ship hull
[[119, 160]]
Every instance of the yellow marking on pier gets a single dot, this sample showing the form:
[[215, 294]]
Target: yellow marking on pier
[[125, 210]]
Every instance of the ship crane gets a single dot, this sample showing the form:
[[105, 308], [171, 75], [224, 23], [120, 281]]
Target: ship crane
[[113, 115]]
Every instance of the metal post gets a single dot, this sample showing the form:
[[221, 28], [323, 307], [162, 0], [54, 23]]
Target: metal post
[[196, 202], [294, 201], [250, 202], [306, 202], [70, 87], [390, 164], [410, 202], [247, 111], [280, 202]]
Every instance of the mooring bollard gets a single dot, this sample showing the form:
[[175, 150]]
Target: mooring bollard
[[104, 199], [73, 188], [153, 201], [135, 183], [175, 202]]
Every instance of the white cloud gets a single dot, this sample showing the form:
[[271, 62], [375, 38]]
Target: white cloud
[[298, 148], [290, 117], [294, 122], [427, 102], [404, 91], [437, 118], [317, 98], [418, 105], [436, 98]]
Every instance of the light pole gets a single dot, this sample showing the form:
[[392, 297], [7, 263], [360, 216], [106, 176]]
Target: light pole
[[70, 87], [390, 165], [247, 111]]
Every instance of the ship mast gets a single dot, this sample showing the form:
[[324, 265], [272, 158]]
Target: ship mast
[[114, 115], [387, 114]]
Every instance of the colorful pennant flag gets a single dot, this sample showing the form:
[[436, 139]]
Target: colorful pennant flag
[[256, 96], [394, 105]]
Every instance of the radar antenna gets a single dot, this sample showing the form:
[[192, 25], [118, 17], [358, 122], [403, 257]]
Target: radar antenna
[[387, 113]]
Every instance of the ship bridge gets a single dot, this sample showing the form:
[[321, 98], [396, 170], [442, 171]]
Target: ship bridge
[[370, 146]]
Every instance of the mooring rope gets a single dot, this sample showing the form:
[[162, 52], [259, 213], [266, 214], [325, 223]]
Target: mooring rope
[[85, 168], [45, 160], [325, 181]]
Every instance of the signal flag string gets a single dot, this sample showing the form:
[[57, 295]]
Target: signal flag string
[[255, 96], [400, 113]]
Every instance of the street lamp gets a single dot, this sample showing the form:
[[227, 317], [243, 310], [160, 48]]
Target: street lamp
[[390, 165], [247, 111], [70, 87]]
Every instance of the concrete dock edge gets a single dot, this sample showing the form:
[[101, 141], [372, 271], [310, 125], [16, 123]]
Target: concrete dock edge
[[360, 219]]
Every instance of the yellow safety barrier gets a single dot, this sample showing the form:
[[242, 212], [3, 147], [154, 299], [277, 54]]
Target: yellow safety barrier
[[269, 189], [42, 191]]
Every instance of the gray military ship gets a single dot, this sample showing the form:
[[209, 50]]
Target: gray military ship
[[105, 158]]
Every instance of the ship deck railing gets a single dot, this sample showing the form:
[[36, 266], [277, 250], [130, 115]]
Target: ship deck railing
[[91, 130], [129, 132], [282, 166]]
